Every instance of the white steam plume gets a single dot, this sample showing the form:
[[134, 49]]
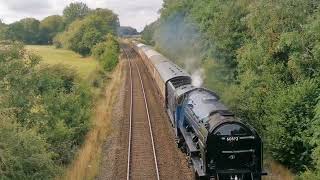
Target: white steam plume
[[197, 77]]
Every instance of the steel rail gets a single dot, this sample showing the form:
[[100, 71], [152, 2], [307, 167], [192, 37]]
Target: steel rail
[[130, 117], [149, 121]]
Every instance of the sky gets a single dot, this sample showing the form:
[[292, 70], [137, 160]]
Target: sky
[[134, 13]]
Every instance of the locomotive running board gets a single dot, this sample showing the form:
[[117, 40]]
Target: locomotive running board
[[190, 144], [171, 118], [197, 165]]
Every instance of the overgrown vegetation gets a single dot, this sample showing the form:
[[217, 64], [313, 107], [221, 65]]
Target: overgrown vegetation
[[107, 53], [45, 113], [82, 35], [127, 31], [46, 109], [79, 29], [32, 31], [262, 57]]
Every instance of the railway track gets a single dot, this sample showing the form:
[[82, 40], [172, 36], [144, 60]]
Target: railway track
[[134, 127], [141, 157]]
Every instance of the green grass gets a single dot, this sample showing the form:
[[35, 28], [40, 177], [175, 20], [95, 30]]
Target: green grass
[[52, 56]]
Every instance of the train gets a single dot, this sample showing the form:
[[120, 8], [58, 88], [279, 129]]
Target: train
[[218, 145]]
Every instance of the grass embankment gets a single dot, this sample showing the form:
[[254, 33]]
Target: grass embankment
[[85, 67]]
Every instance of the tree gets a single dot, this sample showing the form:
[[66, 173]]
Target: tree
[[127, 31], [148, 33], [73, 11], [50, 27], [262, 57], [83, 34], [3, 30], [25, 30]]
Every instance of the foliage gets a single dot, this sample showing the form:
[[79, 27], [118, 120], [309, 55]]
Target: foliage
[[262, 57], [3, 29], [74, 11], [24, 154], [32, 31], [49, 27], [79, 29], [25, 30], [148, 32], [82, 35], [125, 31], [49, 103], [107, 53]]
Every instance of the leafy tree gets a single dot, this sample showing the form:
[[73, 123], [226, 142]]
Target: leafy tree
[[124, 30], [148, 33], [3, 30], [311, 174], [82, 35], [73, 11], [25, 30], [50, 27], [262, 57]]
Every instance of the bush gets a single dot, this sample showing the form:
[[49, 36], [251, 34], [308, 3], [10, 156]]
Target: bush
[[65, 110], [291, 113], [107, 53], [24, 154], [51, 108]]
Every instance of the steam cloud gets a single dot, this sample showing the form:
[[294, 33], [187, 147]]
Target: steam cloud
[[197, 73], [179, 39], [197, 78]]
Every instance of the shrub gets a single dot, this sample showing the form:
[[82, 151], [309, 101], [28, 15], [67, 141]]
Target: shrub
[[50, 107], [65, 110], [107, 53], [24, 153], [82, 35]]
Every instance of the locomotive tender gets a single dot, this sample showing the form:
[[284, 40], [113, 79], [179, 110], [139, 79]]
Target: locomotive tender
[[218, 145]]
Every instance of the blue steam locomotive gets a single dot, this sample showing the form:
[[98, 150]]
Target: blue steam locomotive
[[218, 145]]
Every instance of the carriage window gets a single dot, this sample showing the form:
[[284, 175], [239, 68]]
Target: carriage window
[[232, 130]]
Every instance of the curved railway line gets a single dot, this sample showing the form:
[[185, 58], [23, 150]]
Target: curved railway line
[[141, 147]]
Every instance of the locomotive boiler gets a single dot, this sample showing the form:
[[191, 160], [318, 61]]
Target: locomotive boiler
[[218, 145]]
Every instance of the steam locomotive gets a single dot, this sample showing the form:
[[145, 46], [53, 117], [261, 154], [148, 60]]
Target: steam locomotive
[[218, 145]]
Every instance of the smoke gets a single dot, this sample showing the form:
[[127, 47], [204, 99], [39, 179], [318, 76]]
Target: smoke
[[198, 77], [180, 40], [193, 66]]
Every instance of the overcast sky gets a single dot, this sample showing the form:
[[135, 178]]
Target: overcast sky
[[135, 13]]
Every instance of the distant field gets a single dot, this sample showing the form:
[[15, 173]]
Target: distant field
[[84, 66]]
